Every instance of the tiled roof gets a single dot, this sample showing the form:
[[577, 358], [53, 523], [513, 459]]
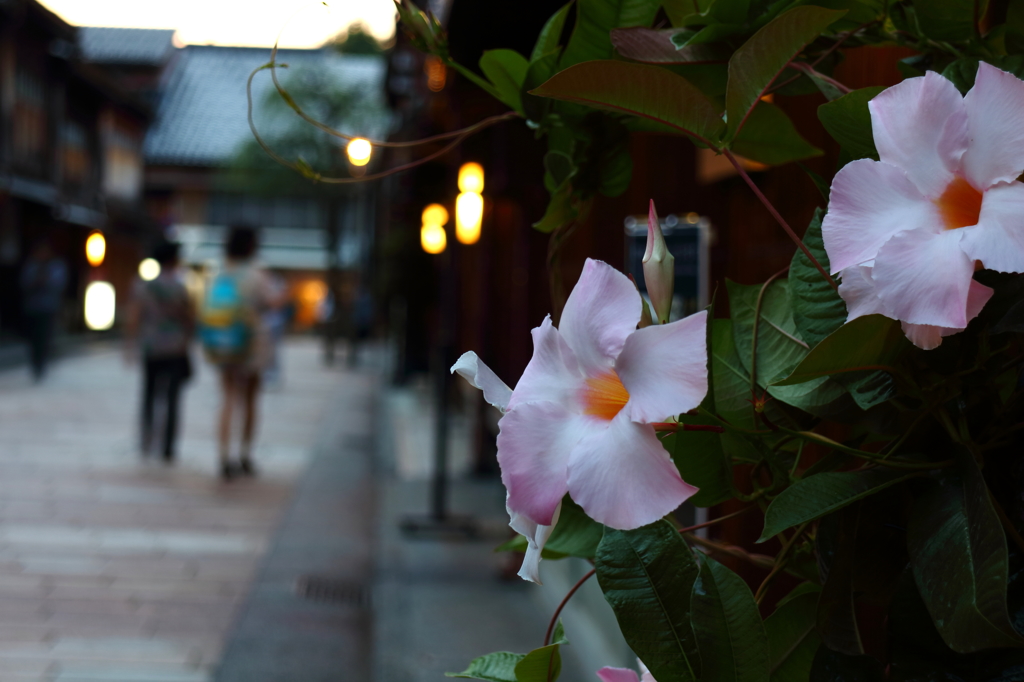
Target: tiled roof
[[201, 118], [135, 46]]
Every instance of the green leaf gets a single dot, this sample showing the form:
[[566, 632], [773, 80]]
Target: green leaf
[[559, 212], [731, 379], [963, 71], [656, 46], [575, 534], [770, 137], [506, 69], [848, 121], [683, 12], [949, 19], [755, 65], [960, 561], [815, 496], [817, 308], [701, 462], [534, 108], [550, 35], [647, 576], [779, 346], [732, 640], [638, 89], [792, 639], [540, 665], [616, 171], [864, 343], [496, 667], [832, 666], [595, 19]]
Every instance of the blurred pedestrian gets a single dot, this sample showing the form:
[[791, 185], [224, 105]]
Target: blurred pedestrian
[[160, 325], [237, 340], [44, 277]]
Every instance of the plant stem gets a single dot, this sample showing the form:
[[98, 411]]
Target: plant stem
[[712, 522], [780, 562], [810, 71], [565, 600], [869, 456], [778, 218], [759, 560]]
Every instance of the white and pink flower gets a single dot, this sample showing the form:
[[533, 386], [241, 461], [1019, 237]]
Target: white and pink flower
[[908, 231], [580, 418]]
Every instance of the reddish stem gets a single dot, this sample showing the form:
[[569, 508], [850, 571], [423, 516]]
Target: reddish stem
[[672, 427], [565, 600], [712, 522], [778, 218]]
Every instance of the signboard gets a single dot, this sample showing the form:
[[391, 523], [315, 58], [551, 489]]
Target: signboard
[[688, 239]]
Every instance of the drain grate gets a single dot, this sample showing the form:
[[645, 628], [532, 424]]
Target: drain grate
[[332, 591]]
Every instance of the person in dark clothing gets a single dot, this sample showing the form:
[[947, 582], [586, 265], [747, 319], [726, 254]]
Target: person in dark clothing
[[160, 324], [43, 280]]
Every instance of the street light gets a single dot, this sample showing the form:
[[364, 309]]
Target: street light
[[95, 249], [149, 269], [432, 235], [469, 212], [99, 306], [359, 151], [471, 177]]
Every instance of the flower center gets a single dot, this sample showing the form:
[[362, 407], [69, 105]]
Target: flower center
[[960, 204], [604, 395]]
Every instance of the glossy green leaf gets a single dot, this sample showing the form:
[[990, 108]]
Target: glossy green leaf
[[757, 62], [731, 379], [575, 534], [949, 19], [560, 210], [792, 639], [506, 69], [534, 108], [639, 89], [701, 462], [543, 664], [866, 343], [817, 308], [647, 576], [548, 40], [655, 46], [595, 19], [959, 557], [815, 496], [770, 137], [848, 121], [496, 667], [779, 346], [731, 637]]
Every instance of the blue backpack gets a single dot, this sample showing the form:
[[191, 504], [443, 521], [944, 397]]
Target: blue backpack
[[225, 323]]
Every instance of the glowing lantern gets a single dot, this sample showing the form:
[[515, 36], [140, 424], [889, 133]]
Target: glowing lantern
[[99, 306], [433, 238], [435, 214], [95, 249], [359, 151], [471, 177], [149, 269], [469, 212]]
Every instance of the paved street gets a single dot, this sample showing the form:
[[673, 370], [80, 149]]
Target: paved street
[[117, 568]]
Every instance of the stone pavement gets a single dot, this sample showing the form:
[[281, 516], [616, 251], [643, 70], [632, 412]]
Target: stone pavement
[[117, 568]]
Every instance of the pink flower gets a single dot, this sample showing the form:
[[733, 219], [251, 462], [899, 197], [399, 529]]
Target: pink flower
[[579, 420], [607, 674], [943, 198]]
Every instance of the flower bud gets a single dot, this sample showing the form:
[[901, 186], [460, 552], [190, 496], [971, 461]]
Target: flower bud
[[659, 268]]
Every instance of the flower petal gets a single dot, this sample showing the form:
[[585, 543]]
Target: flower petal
[[996, 150], [607, 674], [665, 368], [479, 375], [553, 373], [534, 443], [602, 310], [920, 126], [536, 536], [923, 277], [928, 336], [998, 238], [858, 290], [870, 202], [623, 478]]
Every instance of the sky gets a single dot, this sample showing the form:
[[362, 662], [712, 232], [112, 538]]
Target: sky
[[301, 23]]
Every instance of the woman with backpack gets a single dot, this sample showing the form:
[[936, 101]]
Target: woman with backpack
[[238, 342]]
